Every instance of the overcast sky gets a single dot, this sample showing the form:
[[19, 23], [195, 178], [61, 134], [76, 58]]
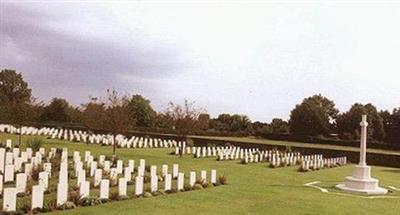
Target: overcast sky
[[258, 59]]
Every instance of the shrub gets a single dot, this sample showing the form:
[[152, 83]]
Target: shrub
[[35, 172], [147, 195], [187, 187], [89, 201], [197, 187], [173, 190], [23, 206], [67, 206], [222, 180], [74, 197], [157, 193], [50, 206], [114, 196], [34, 143]]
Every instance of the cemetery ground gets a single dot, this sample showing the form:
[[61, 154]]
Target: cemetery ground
[[252, 189]]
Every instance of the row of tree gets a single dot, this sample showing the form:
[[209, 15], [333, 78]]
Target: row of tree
[[314, 116]]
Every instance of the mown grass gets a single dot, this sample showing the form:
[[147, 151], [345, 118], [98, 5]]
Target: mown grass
[[252, 189]]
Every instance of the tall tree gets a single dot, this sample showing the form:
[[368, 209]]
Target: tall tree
[[13, 88], [94, 114], [15, 99], [314, 116], [140, 112], [279, 126], [204, 121], [57, 111], [348, 123], [184, 119]]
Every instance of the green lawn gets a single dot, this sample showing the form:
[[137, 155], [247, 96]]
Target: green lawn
[[252, 189]]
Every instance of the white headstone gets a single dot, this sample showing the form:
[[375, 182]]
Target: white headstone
[[138, 185], [203, 175], [9, 199], [37, 196], [104, 188], [180, 181], [9, 173], [213, 176], [175, 170], [62, 193], [192, 179], [21, 183], [84, 189], [168, 182], [122, 186], [154, 183], [153, 170], [164, 170], [98, 177]]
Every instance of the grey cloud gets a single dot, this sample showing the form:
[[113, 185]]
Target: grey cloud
[[56, 61]]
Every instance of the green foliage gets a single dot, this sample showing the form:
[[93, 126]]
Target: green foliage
[[222, 180], [313, 116], [348, 123], [57, 111], [89, 201], [67, 206], [141, 113], [34, 143], [13, 88], [197, 187]]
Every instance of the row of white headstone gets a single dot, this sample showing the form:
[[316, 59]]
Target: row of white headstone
[[253, 155], [244, 154], [83, 136], [10, 193], [321, 163]]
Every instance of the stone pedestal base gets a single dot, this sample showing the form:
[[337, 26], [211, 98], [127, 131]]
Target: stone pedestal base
[[361, 182]]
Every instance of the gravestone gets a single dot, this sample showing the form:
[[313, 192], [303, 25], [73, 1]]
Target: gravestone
[[1, 184], [180, 181], [37, 196], [175, 170], [127, 174], [47, 168], [21, 183], [138, 185], [164, 170], [168, 182], [97, 177], [154, 183], [93, 167], [153, 170], [203, 175], [81, 177], [62, 193], [84, 189], [2, 159], [9, 158], [131, 165], [104, 188], [113, 176], [9, 199], [213, 176], [192, 179], [120, 166], [122, 186], [9, 173]]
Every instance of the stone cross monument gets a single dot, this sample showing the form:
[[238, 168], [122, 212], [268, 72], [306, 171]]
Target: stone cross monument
[[361, 181]]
